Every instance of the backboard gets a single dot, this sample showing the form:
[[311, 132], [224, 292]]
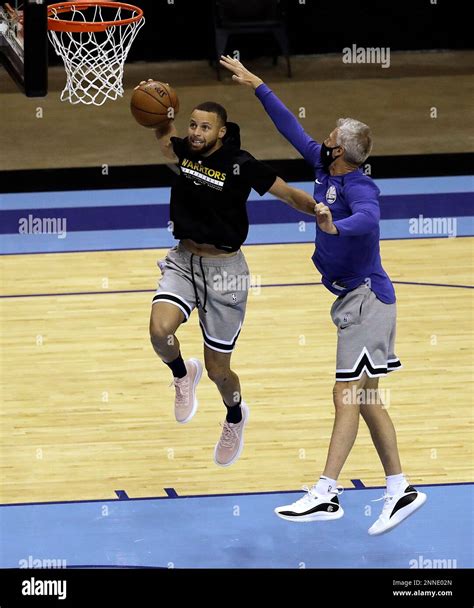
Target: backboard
[[24, 44]]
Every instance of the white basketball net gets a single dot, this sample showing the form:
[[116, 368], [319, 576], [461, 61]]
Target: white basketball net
[[94, 61]]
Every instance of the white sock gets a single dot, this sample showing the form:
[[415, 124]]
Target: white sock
[[394, 482], [325, 485]]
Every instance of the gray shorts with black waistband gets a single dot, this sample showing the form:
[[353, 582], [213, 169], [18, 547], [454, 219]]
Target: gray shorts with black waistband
[[217, 287], [366, 329]]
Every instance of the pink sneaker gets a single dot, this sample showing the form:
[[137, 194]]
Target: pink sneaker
[[231, 443], [186, 403]]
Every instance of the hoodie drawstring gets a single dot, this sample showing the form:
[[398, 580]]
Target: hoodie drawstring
[[198, 301]]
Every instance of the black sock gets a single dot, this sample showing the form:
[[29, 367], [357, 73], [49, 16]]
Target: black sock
[[177, 367], [234, 413]]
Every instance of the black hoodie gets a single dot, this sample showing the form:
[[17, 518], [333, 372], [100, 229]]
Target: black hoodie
[[208, 202]]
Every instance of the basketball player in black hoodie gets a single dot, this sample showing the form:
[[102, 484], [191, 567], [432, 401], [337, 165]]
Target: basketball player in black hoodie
[[207, 269]]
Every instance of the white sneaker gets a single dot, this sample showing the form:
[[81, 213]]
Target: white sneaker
[[397, 507], [313, 507]]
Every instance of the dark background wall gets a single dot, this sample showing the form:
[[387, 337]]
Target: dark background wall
[[184, 29]]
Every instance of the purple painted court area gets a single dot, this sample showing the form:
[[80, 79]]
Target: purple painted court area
[[237, 531], [101, 220]]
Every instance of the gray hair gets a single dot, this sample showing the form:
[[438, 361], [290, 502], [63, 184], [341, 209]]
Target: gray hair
[[355, 137]]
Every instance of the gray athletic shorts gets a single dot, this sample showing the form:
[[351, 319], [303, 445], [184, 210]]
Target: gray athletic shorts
[[221, 301], [365, 335]]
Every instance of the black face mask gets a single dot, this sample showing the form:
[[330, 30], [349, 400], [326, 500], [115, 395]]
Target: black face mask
[[326, 156]]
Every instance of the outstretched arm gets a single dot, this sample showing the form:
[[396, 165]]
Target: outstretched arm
[[284, 120], [298, 199]]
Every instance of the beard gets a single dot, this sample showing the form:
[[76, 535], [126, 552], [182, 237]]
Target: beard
[[203, 149]]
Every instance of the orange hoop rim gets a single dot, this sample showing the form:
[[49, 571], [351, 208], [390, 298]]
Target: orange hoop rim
[[64, 25]]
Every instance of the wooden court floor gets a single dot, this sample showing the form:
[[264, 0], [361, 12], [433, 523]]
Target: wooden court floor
[[87, 410]]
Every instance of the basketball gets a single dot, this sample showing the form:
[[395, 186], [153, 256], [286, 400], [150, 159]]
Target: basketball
[[153, 103]]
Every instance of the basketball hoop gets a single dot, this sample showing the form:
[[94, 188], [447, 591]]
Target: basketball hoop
[[93, 39]]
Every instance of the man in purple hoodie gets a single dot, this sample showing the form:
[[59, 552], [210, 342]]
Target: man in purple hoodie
[[347, 254]]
